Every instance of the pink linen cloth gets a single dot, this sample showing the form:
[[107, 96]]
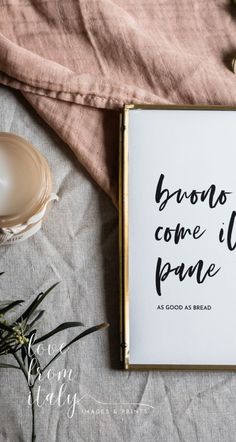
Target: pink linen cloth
[[78, 61]]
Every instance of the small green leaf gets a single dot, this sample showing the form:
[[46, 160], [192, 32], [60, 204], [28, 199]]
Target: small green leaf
[[60, 328], [7, 345], [5, 327], [23, 352], [5, 302], [82, 335], [9, 366], [28, 312], [10, 306]]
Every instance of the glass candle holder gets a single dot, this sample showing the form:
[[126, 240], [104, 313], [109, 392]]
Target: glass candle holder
[[25, 189]]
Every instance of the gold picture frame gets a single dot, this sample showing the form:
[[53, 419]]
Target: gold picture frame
[[123, 240]]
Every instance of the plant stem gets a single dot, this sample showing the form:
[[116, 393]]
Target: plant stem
[[33, 439], [31, 389]]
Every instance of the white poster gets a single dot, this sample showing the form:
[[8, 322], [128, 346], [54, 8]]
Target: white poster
[[181, 254]]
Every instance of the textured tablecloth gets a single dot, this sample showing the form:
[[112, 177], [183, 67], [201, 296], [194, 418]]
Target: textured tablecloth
[[78, 245]]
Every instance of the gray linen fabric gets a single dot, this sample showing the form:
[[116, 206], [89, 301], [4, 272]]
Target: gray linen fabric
[[78, 245]]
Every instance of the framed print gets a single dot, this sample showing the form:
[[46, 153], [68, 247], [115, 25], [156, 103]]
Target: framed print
[[178, 237]]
